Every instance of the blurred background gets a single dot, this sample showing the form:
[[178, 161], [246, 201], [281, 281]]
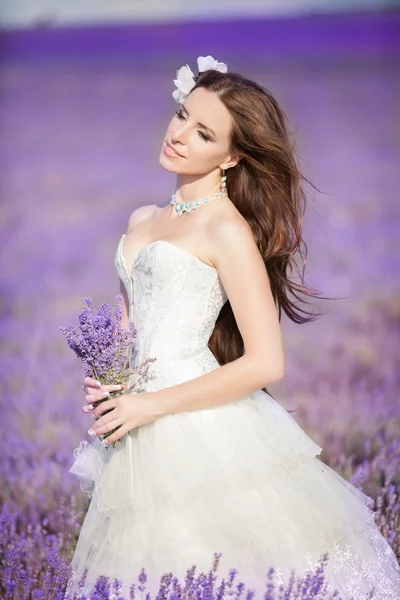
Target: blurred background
[[85, 97]]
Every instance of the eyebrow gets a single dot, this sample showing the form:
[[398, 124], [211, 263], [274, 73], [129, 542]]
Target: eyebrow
[[199, 124]]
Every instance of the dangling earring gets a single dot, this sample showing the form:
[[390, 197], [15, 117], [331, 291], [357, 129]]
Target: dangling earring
[[223, 180]]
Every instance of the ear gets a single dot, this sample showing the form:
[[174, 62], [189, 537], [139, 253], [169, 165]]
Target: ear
[[231, 161]]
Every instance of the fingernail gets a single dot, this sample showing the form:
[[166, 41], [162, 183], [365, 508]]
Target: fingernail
[[105, 394], [104, 442], [118, 387], [87, 408], [98, 383], [91, 431]]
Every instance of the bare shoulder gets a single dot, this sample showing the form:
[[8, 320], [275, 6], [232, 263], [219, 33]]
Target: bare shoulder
[[230, 229], [142, 213]]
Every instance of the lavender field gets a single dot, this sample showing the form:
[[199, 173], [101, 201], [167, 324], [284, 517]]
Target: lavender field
[[82, 115]]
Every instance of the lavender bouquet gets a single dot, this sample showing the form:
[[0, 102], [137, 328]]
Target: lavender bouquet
[[103, 345]]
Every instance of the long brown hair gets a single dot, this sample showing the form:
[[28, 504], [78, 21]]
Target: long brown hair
[[265, 186]]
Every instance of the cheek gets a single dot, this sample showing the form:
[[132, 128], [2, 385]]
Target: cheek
[[204, 151]]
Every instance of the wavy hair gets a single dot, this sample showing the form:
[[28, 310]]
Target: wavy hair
[[266, 187]]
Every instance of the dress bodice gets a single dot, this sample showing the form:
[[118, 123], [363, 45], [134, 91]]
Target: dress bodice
[[174, 302]]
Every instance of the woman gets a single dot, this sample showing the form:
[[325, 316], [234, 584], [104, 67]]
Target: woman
[[206, 460]]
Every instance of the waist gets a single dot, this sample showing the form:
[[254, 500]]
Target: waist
[[166, 371]]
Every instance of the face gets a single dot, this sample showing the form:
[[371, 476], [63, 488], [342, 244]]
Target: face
[[197, 140]]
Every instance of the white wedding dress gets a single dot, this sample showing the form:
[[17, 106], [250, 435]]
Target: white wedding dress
[[241, 479]]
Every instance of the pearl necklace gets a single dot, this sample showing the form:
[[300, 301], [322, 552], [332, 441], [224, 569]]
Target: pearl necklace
[[182, 207]]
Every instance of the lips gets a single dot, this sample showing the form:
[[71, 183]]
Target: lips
[[172, 150]]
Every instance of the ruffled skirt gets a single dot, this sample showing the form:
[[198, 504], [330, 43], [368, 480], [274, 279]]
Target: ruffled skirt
[[243, 480]]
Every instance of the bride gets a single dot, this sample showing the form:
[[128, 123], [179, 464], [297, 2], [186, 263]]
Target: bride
[[206, 461]]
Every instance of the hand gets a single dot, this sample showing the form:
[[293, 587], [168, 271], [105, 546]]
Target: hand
[[95, 392], [125, 412]]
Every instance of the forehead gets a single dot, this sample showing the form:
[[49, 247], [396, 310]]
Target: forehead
[[204, 106]]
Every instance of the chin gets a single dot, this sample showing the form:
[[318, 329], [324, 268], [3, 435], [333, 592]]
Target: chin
[[167, 164]]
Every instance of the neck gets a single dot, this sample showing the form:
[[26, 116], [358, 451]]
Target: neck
[[196, 187]]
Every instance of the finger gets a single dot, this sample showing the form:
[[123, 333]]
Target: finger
[[108, 425], [95, 396], [117, 435], [113, 387], [89, 389], [91, 382], [98, 398], [104, 406], [105, 418], [97, 393]]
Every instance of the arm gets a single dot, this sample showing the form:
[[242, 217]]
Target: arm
[[242, 273]]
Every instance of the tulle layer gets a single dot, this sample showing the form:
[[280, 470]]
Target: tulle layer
[[243, 480]]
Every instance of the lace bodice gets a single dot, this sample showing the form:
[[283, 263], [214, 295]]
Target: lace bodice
[[174, 302]]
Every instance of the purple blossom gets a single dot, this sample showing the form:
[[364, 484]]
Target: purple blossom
[[103, 345], [101, 342]]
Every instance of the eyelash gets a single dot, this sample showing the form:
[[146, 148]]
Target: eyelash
[[203, 136]]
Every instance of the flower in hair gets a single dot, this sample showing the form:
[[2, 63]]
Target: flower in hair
[[205, 63], [185, 79], [184, 82]]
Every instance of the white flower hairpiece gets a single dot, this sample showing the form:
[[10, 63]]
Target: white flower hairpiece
[[185, 80]]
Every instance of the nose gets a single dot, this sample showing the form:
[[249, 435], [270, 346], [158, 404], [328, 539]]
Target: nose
[[178, 136]]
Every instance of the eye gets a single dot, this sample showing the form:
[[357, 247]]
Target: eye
[[205, 137], [181, 117]]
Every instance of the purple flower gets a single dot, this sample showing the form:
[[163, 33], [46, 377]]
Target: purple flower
[[103, 345], [101, 342]]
